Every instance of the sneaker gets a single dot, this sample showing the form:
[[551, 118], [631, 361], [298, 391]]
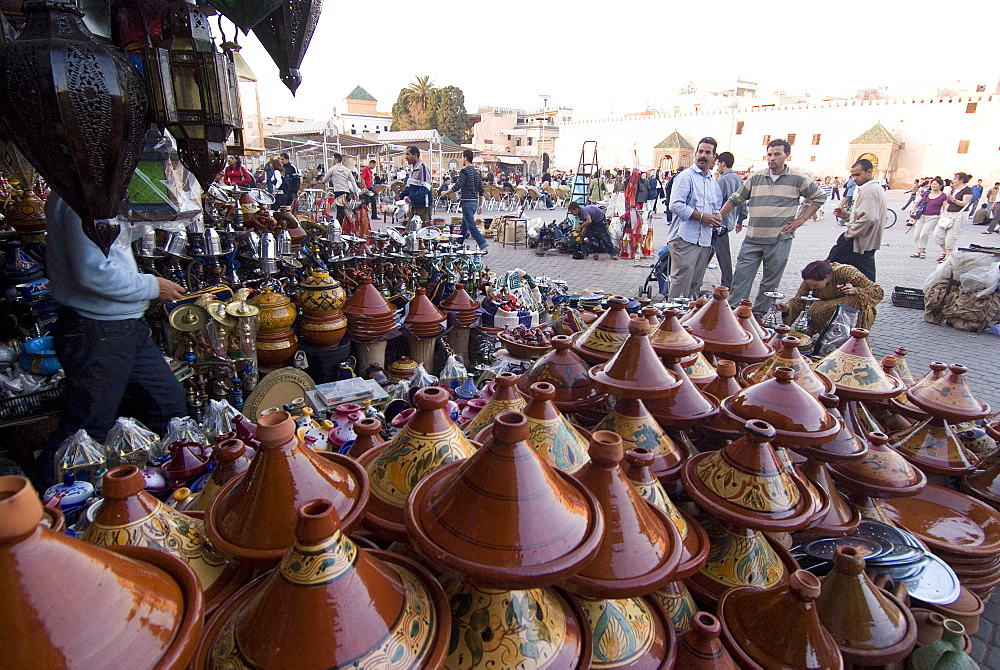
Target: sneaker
[[614, 258], [485, 248]]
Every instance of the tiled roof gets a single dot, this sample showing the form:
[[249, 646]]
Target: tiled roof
[[360, 94], [877, 134], [674, 139]]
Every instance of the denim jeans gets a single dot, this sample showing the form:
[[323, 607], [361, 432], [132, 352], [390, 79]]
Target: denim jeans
[[469, 226], [105, 361], [600, 239]]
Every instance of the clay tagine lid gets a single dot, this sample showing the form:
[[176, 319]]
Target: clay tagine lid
[[232, 458], [638, 428], [984, 485], [949, 397], [559, 526], [717, 325], [462, 306], [68, 603], [367, 433], [561, 444], [251, 518], [871, 626], [687, 407], [428, 441], [367, 301], [882, 473], [506, 398], [724, 384], [846, 446], [568, 373], [356, 607], [902, 367], [856, 372], [699, 370], [651, 314], [635, 371], [778, 627], [672, 340], [757, 351], [422, 312], [641, 547], [700, 647], [606, 335], [694, 539], [902, 404], [797, 417], [746, 483], [789, 356]]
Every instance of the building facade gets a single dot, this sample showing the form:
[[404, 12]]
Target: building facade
[[359, 114], [932, 135], [517, 137]]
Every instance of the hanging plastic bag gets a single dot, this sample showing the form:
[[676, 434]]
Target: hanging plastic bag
[[79, 452], [453, 373], [129, 441], [836, 332], [219, 418], [183, 428]]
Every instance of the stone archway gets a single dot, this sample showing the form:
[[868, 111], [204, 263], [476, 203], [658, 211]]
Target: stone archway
[[873, 158]]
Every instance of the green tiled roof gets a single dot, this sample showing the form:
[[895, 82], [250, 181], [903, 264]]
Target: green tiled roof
[[674, 139], [877, 134], [360, 94]]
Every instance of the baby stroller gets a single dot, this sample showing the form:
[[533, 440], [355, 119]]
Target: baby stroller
[[660, 273]]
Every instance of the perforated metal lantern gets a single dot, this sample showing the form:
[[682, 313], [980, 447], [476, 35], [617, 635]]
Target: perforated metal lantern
[[286, 33], [194, 92], [77, 109], [245, 14]]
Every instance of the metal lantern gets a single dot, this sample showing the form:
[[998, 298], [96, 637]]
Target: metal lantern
[[286, 34], [194, 92], [76, 108], [245, 14]]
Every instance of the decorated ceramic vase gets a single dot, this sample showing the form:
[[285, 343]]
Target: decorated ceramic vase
[[277, 313], [321, 294]]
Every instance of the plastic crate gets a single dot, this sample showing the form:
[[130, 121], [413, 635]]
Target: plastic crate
[[41, 402], [913, 298]]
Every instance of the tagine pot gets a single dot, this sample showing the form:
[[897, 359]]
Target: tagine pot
[[461, 305], [367, 433], [640, 430], [671, 339], [788, 356], [716, 324], [701, 649], [506, 398], [726, 383], [606, 335], [252, 517], [423, 317], [856, 373], [350, 607], [567, 372], [427, 442], [231, 460], [758, 350], [632, 633], [68, 603]]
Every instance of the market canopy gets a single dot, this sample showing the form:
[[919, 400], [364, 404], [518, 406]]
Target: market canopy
[[510, 160]]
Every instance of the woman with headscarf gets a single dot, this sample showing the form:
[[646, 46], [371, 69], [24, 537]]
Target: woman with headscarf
[[834, 284]]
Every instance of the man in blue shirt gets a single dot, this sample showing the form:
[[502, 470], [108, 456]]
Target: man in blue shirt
[[695, 201], [594, 229], [729, 183], [977, 194]]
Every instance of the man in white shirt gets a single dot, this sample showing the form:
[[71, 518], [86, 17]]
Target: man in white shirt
[[863, 237], [343, 183]]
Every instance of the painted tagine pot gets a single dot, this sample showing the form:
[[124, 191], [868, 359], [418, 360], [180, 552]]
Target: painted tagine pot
[[567, 372]]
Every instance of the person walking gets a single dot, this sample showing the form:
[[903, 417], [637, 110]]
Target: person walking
[[291, 182], [865, 222], [913, 194], [950, 223], [773, 198], [594, 228], [342, 183], [236, 174], [695, 202], [595, 189], [368, 183], [470, 185], [729, 183], [926, 222], [977, 194], [418, 187], [836, 189]]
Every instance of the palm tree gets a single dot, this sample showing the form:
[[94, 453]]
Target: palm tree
[[419, 97]]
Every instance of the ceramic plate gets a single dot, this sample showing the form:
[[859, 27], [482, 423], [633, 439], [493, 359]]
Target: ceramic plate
[[825, 549], [948, 520], [936, 583]]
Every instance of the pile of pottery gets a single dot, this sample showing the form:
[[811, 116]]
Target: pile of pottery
[[321, 300], [424, 321], [369, 320], [465, 311], [276, 340]]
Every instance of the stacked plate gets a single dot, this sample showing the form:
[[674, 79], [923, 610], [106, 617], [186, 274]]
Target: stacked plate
[[959, 529]]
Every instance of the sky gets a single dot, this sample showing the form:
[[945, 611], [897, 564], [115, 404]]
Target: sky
[[604, 60]]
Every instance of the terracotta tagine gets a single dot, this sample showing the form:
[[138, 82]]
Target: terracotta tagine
[[871, 626], [537, 628], [798, 418], [71, 604], [984, 485], [231, 460], [652, 315], [757, 351], [506, 398], [671, 339], [842, 517], [845, 446], [902, 404], [356, 607], [881, 473], [26, 214], [701, 648], [427, 442], [423, 318], [949, 397], [788, 356], [461, 305], [686, 407], [402, 368], [251, 518], [725, 384], [699, 370], [568, 373], [778, 627], [369, 316], [561, 444], [606, 335], [717, 325], [902, 367], [560, 525], [630, 633], [634, 371], [367, 433], [856, 372], [630, 419], [933, 446]]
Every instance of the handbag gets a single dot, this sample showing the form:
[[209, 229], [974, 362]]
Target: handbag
[[918, 210]]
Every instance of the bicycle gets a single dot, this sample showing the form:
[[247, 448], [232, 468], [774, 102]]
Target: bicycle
[[890, 218]]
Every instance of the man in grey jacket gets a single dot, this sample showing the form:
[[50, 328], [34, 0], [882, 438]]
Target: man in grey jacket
[[729, 183]]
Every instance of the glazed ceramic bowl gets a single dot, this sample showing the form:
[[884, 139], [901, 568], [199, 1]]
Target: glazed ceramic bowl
[[948, 521], [523, 351]]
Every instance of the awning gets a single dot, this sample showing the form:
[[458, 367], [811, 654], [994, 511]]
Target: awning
[[510, 160], [478, 159]]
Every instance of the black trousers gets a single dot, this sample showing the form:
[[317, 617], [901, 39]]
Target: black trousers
[[843, 252]]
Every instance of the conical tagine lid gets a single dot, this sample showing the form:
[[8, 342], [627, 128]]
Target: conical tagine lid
[[342, 605], [949, 397], [559, 522], [717, 325], [758, 350], [673, 340], [789, 356], [421, 310], [902, 403], [746, 483], [461, 304], [846, 446], [635, 371], [725, 384], [856, 372], [67, 603], [506, 398], [561, 444], [686, 407], [637, 427], [252, 518], [882, 473], [701, 649], [606, 335], [778, 627], [568, 373], [641, 547], [367, 301], [797, 417], [428, 441]]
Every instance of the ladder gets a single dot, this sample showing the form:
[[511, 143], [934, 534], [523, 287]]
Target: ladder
[[585, 169]]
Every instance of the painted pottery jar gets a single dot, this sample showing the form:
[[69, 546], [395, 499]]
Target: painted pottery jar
[[26, 213], [276, 348], [358, 608], [506, 398], [402, 368], [277, 313], [323, 330], [342, 435]]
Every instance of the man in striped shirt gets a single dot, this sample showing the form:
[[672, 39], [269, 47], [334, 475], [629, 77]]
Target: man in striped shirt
[[773, 197], [470, 184]]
